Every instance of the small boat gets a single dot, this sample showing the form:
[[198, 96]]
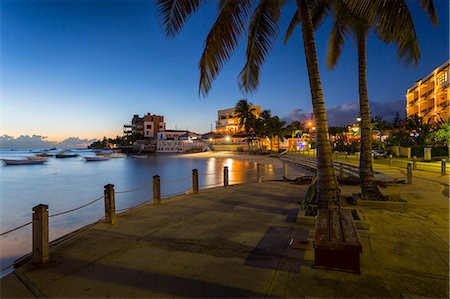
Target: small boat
[[96, 158], [37, 158], [66, 154], [23, 161], [45, 155], [139, 156], [110, 155]]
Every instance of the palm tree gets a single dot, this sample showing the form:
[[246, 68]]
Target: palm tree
[[246, 115], [278, 128], [265, 125], [262, 32], [393, 23], [296, 127]]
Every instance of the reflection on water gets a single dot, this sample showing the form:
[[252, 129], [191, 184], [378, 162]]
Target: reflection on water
[[65, 184]]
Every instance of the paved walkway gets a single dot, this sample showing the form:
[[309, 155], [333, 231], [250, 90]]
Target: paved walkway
[[233, 242]]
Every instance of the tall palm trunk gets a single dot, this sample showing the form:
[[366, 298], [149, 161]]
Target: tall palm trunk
[[368, 188], [327, 185]]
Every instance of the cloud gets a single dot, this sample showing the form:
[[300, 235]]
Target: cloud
[[38, 141], [346, 114]]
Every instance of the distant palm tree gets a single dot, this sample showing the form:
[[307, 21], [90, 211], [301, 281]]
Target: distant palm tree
[[380, 124], [392, 22], [296, 127], [263, 29], [278, 129], [246, 115]]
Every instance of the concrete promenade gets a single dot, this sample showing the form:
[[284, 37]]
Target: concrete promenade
[[234, 242]]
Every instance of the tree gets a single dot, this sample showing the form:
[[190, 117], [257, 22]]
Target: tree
[[296, 128], [246, 115], [393, 23], [278, 129], [262, 32]]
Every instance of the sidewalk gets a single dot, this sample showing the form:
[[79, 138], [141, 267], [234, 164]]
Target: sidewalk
[[233, 242]]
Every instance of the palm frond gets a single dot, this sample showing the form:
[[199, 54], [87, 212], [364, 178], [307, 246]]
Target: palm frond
[[174, 13], [335, 43], [428, 6], [222, 40], [263, 30], [394, 23], [294, 22]]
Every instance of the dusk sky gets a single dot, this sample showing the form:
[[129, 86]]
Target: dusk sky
[[82, 68]]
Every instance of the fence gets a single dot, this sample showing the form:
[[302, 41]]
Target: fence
[[40, 215]]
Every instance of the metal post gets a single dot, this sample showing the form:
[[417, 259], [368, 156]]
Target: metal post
[[390, 160], [194, 181], [414, 162], [110, 205], [443, 167], [156, 190], [341, 170], [285, 170], [40, 252], [409, 173], [225, 176], [260, 172]]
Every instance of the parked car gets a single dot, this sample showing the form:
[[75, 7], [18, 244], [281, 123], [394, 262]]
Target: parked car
[[379, 154]]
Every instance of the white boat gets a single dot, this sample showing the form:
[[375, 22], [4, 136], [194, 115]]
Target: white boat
[[96, 158], [23, 161]]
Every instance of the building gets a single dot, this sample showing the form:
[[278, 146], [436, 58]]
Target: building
[[228, 122], [145, 127], [153, 124], [177, 141], [428, 97]]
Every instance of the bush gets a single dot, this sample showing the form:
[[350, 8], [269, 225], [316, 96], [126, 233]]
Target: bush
[[417, 151], [441, 151]]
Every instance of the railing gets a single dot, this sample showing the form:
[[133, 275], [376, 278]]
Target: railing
[[40, 216]]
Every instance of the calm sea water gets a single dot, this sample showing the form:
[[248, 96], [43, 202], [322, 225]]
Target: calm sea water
[[64, 184]]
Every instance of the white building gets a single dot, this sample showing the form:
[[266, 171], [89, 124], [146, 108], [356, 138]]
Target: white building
[[175, 141]]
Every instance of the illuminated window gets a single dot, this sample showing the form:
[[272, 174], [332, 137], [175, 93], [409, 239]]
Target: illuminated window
[[442, 78]]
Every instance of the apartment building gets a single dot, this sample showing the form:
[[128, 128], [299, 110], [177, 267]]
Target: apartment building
[[153, 124], [145, 127], [228, 122], [428, 97]]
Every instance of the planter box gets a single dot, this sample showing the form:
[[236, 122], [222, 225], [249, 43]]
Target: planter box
[[405, 152], [427, 154]]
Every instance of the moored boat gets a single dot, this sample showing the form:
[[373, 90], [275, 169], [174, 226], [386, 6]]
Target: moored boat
[[65, 154], [96, 158], [23, 161]]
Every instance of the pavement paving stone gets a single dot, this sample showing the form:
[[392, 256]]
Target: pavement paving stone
[[233, 242]]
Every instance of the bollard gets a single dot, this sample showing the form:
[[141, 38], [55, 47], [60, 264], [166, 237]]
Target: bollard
[[285, 170], [409, 173], [225, 176], [260, 172], [110, 205], [341, 170], [443, 167], [156, 190], [390, 160], [414, 162], [40, 235], [194, 181], [346, 155]]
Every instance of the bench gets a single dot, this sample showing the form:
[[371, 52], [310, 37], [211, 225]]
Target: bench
[[336, 241]]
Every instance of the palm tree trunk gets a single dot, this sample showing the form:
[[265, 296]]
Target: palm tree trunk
[[327, 186], [368, 188]]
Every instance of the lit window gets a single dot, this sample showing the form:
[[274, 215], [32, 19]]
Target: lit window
[[443, 78]]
